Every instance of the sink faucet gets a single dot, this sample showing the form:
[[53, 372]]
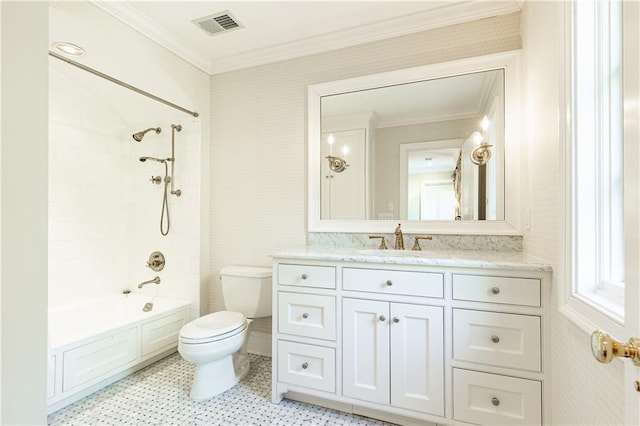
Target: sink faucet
[[156, 280], [399, 239]]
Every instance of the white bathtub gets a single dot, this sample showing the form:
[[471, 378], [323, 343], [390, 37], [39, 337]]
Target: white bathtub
[[96, 343]]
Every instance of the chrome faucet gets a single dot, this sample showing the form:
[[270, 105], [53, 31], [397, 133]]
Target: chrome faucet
[[156, 280], [399, 245]]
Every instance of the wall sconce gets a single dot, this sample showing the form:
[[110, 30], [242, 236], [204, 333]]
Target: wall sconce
[[337, 164], [481, 154]]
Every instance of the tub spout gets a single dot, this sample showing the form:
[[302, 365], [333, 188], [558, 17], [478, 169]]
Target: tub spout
[[156, 280]]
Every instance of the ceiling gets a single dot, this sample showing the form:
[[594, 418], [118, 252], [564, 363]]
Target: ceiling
[[278, 30]]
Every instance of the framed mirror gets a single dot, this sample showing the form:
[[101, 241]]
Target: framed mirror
[[434, 148]]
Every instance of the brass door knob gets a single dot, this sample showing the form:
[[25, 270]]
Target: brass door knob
[[604, 348]]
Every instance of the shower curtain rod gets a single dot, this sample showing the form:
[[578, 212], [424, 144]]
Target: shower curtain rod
[[121, 83]]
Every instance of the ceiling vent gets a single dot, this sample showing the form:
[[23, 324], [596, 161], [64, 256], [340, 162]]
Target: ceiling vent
[[218, 23]]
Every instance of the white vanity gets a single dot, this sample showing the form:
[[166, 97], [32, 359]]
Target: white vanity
[[449, 337]]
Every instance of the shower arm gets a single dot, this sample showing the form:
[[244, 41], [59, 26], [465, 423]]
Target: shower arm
[[174, 128]]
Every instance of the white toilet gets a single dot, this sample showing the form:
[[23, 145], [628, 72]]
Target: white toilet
[[216, 343]]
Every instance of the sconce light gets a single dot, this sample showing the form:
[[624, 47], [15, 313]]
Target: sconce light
[[337, 164], [481, 154]]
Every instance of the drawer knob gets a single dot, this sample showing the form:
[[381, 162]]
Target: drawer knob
[[396, 320], [305, 315], [389, 283], [495, 401], [382, 318], [495, 339], [305, 366], [495, 290], [305, 276]]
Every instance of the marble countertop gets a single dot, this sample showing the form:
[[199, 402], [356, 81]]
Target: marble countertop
[[451, 258]]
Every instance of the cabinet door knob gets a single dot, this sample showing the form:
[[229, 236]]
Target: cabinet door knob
[[305, 366], [495, 401], [382, 318], [305, 315], [495, 339], [495, 290], [396, 320], [389, 283], [305, 276]]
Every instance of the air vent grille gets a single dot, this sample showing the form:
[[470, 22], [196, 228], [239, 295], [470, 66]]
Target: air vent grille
[[218, 23]]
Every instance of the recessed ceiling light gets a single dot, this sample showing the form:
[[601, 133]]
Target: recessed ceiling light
[[68, 48]]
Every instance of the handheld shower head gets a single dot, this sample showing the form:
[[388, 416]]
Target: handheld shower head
[[139, 135], [159, 160]]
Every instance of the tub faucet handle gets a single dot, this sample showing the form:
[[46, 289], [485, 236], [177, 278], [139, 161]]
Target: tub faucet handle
[[156, 261]]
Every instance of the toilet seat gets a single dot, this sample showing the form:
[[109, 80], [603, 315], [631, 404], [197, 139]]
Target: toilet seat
[[212, 327]]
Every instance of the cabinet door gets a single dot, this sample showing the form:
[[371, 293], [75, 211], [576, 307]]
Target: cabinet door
[[365, 350], [417, 358]]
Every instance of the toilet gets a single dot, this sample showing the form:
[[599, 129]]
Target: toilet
[[217, 343]]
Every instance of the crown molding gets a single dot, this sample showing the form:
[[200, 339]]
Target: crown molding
[[144, 25], [451, 14]]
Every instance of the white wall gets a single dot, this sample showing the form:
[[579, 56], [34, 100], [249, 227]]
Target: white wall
[[24, 213], [259, 135], [104, 213], [584, 392]]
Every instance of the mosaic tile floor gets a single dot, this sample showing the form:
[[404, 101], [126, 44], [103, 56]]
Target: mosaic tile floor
[[158, 395]]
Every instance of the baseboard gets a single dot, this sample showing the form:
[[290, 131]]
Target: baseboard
[[259, 343]]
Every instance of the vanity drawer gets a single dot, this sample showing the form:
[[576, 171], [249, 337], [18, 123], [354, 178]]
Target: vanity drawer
[[307, 315], [411, 283], [512, 291], [503, 340], [307, 365], [491, 399], [307, 276]]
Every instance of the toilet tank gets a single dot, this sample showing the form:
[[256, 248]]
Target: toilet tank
[[247, 289]]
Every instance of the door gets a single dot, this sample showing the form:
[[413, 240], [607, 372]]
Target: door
[[417, 358], [631, 137], [631, 90], [365, 350]]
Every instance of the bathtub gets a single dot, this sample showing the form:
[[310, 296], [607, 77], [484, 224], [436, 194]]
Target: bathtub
[[98, 342]]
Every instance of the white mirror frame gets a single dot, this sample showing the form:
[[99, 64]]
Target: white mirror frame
[[510, 62]]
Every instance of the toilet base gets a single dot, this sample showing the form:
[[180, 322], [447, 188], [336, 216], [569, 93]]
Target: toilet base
[[216, 377]]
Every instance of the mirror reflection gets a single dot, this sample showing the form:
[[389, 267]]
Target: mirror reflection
[[424, 151]]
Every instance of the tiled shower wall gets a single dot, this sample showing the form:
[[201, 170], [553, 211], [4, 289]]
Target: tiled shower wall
[[259, 135], [104, 212]]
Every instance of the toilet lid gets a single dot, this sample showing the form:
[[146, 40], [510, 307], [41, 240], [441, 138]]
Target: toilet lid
[[213, 325]]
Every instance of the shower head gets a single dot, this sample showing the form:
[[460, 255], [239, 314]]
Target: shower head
[[159, 160], [138, 136]]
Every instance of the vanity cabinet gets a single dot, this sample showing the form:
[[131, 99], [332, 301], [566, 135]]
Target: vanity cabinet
[[413, 338], [393, 354]]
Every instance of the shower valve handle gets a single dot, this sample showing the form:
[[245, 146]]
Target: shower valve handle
[[156, 179]]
